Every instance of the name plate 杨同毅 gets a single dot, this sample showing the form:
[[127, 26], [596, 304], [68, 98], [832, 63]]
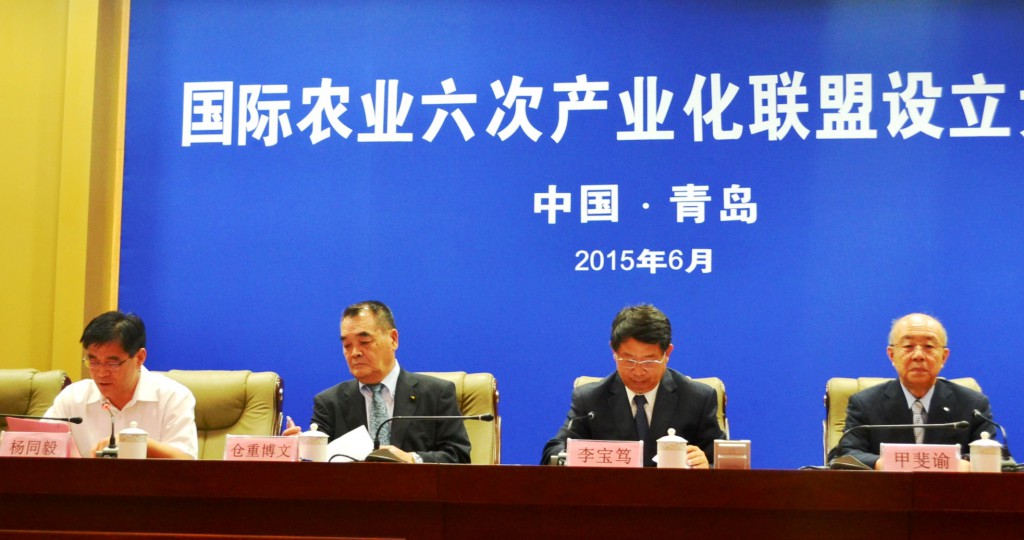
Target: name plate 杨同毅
[[35, 444]]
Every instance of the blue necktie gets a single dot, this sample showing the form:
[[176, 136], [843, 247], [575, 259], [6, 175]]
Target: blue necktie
[[378, 414], [642, 427]]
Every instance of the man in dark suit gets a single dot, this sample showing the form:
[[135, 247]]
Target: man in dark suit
[[382, 389], [918, 351], [643, 398]]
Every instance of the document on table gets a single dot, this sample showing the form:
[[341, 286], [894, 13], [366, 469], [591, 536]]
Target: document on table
[[352, 446]]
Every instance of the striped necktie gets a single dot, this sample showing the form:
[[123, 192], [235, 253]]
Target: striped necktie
[[378, 414], [918, 408]]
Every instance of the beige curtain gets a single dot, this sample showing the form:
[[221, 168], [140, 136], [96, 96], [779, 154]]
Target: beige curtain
[[63, 66]]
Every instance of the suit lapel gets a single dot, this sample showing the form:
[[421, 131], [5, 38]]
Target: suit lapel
[[896, 412], [943, 401], [354, 409], [896, 402], [664, 403], [618, 404], [405, 405]]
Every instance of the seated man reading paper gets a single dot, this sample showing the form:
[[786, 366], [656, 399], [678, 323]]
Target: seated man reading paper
[[382, 389], [123, 391], [643, 398]]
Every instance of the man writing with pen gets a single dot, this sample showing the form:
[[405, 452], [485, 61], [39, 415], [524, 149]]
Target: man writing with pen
[[382, 390]]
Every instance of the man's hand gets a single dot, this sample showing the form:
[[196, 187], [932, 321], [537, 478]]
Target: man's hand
[[99, 446], [291, 429], [159, 450], [406, 457], [154, 450], [695, 457]]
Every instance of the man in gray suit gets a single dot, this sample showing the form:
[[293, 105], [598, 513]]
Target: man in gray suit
[[917, 349], [643, 398], [382, 389]]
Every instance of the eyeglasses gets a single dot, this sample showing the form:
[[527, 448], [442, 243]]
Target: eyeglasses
[[96, 364], [929, 349], [644, 365]]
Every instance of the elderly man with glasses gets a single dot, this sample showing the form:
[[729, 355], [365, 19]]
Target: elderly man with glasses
[[122, 391], [917, 349], [643, 398]]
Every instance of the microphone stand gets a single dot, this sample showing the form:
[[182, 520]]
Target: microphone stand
[[111, 450], [1008, 464], [560, 458]]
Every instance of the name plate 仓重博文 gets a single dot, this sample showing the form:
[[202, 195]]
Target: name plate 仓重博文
[[255, 448]]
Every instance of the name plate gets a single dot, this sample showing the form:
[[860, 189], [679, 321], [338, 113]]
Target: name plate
[[590, 453], [253, 448], [921, 457], [733, 454], [34, 444]]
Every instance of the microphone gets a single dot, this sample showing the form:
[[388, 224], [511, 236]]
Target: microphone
[[72, 419], [588, 416], [384, 455], [1006, 442], [111, 450], [961, 424], [560, 457]]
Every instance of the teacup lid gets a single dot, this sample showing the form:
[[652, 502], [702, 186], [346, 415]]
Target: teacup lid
[[672, 437], [314, 433], [985, 441], [133, 429]]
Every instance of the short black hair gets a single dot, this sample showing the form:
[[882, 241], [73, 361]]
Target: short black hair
[[125, 328], [644, 323], [381, 313]]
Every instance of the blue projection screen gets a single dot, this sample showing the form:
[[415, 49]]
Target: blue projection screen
[[782, 181]]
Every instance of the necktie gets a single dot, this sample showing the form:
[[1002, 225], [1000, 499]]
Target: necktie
[[918, 408], [378, 414], [642, 427]]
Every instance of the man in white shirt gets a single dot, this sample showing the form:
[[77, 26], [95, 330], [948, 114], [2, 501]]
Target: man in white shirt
[[122, 391]]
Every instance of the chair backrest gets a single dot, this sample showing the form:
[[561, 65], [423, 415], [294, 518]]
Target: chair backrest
[[232, 402], [713, 382], [29, 391], [837, 395], [477, 394]]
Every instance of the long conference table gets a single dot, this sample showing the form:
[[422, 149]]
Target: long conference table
[[159, 499]]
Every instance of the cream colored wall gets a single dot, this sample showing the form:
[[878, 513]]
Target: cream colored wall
[[62, 81]]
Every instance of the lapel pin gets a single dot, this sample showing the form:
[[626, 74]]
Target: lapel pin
[[412, 398], [945, 409]]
